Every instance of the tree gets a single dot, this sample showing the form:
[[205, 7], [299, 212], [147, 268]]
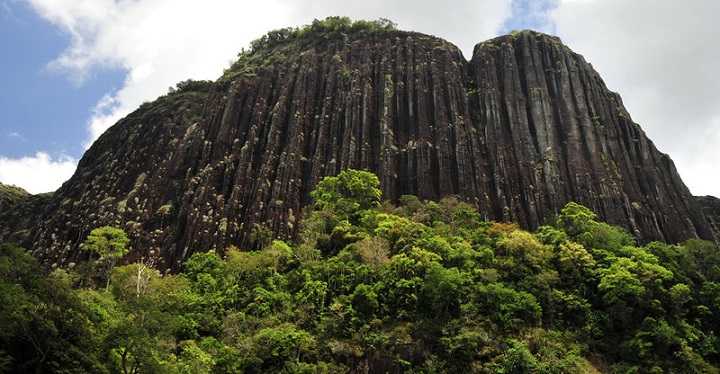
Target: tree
[[373, 250], [576, 219], [443, 291], [348, 192], [111, 244], [509, 308], [278, 346], [619, 282], [581, 224], [425, 287], [43, 325]]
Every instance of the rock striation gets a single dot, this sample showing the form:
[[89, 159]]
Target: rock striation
[[519, 130], [710, 206], [19, 212]]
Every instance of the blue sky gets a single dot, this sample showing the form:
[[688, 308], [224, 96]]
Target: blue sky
[[42, 109], [528, 14], [72, 68]]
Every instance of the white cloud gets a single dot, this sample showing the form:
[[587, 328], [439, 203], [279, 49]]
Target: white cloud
[[158, 43], [16, 135], [38, 173], [161, 42], [700, 166], [661, 57], [657, 54], [6, 11], [464, 23]]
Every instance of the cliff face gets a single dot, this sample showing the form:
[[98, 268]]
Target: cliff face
[[19, 212], [710, 206], [522, 128], [554, 132]]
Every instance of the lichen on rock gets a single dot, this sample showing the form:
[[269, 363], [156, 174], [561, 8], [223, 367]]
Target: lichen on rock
[[520, 129]]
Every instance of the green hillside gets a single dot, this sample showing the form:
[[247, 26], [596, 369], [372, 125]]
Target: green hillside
[[422, 287], [11, 194]]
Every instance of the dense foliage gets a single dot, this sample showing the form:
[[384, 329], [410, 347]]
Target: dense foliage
[[192, 85], [276, 45], [10, 194], [419, 287], [329, 28]]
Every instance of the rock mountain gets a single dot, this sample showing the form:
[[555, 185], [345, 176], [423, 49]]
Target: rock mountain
[[520, 129]]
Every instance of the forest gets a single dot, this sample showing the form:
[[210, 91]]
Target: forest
[[373, 286]]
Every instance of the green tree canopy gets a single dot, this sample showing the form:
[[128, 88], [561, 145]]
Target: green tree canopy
[[426, 287], [348, 192], [108, 242]]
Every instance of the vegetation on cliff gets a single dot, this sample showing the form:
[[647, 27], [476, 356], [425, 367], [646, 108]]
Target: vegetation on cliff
[[330, 28], [18, 210], [423, 286], [519, 130], [10, 194], [268, 49]]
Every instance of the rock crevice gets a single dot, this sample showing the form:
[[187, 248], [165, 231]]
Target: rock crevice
[[519, 130]]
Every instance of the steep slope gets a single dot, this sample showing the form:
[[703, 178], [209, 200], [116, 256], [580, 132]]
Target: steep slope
[[523, 127], [555, 132], [19, 212], [11, 195], [133, 177], [710, 206]]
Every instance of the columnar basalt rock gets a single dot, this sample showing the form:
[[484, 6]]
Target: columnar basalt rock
[[710, 206], [19, 211], [554, 132], [519, 130]]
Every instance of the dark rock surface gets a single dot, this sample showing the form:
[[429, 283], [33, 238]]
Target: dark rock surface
[[710, 206], [554, 132], [19, 212], [11, 195], [519, 130]]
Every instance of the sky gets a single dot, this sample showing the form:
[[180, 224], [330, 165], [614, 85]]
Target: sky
[[72, 68]]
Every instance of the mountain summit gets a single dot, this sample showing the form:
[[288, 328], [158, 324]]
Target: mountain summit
[[519, 130]]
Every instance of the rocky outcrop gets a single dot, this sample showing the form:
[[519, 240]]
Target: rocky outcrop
[[710, 206], [519, 130], [554, 132], [19, 212], [10, 195]]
